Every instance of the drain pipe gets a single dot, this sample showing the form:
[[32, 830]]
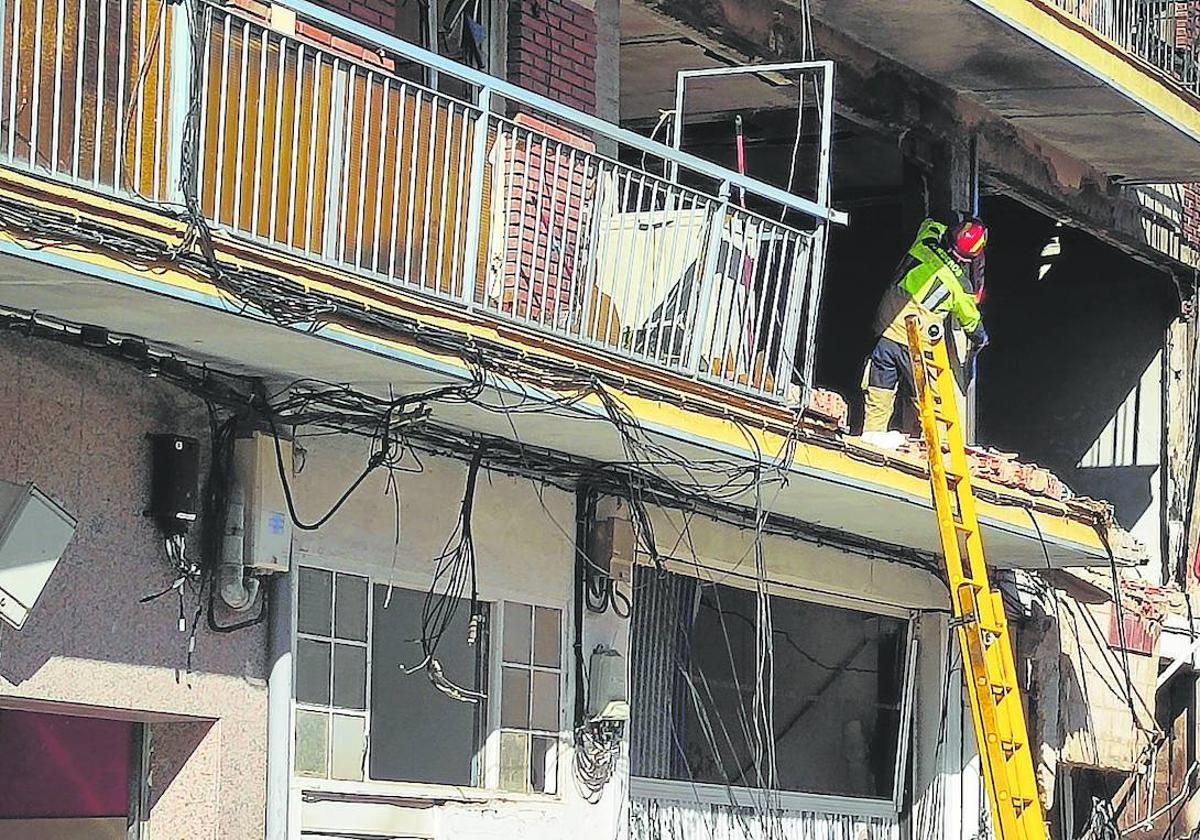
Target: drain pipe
[[237, 590], [279, 708]]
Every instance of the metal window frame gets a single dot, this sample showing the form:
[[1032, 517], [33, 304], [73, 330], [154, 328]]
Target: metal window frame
[[485, 761], [800, 800], [497, 664], [330, 710]]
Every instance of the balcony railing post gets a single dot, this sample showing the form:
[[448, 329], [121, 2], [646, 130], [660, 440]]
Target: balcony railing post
[[475, 209], [706, 277], [184, 85]]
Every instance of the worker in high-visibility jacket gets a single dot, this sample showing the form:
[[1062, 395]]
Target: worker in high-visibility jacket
[[942, 274]]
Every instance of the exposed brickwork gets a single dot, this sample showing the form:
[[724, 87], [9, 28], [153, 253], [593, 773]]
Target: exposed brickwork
[[378, 13], [546, 186], [1191, 214], [552, 50]]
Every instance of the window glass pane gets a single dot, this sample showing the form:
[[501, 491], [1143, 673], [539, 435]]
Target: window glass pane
[[547, 636], [514, 761], [545, 701], [349, 748], [518, 627], [312, 671], [315, 596], [312, 733], [417, 733], [350, 615], [837, 689], [514, 698], [349, 677], [543, 764]]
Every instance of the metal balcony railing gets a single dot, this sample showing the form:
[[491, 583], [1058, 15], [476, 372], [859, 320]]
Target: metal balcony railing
[[1164, 33], [355, 149]]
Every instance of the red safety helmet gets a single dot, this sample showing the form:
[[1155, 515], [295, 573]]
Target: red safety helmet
[[968, 239]]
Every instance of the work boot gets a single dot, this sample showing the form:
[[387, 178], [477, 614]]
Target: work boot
[[887, 441]]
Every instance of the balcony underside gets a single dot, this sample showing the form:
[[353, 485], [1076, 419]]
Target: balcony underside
[[1046, 73], [1023, 60], [826, 487]]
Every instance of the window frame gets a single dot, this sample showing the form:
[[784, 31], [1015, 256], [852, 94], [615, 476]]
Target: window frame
[[486, 759], [495, 698], [865, 807], [330, 709]]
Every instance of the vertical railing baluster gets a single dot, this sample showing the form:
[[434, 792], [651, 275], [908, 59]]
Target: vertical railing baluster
[[55, 118], [646, 275], [294, 152], [239, 148], [264, 54], [563, 251], [180, 99], [161, 90], [393, 238], [518, 213], [409, 224], [632, 280], [139, 92], [379, 167], [475, 255], [443, 239], [428, 203], [460, 191], [314, 112], [587, 271], [77, 123], [35, 104], [576, 270], [621, 214], [14, 73], [364, 153], [220, 152], [277, 152], [705, 277], [340, 94], [539, 198]]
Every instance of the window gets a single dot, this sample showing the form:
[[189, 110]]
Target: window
[[331, 675], [839, 683], [530, 698], [367, 711]]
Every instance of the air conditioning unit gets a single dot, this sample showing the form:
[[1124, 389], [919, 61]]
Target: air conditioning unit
[[34, 532], [267, 545]]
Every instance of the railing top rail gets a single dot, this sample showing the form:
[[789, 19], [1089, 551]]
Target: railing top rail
[[623, 136]]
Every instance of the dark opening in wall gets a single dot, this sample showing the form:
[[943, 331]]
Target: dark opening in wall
[[1072, 378]]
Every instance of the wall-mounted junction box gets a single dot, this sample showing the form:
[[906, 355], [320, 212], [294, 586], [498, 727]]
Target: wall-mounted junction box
[[267, 542], [34, 532], [174, 482], [608, 686]]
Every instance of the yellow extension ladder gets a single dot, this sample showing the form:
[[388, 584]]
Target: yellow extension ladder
[[988, 667]]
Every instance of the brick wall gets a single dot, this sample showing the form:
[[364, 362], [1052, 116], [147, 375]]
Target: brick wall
[[378, 13], [1191, 214], [552, 50]]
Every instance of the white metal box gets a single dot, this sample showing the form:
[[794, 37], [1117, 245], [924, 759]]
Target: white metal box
[[34, 532], [267, 542]]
